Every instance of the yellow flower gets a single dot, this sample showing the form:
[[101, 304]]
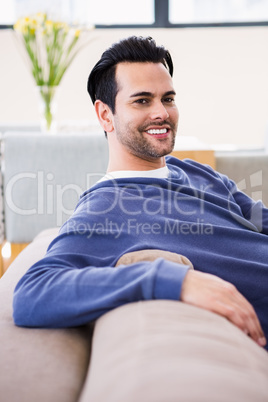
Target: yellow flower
[[61, 26], [51, 47], [48, 27], [21, 25], [17, 26], [41, 17]]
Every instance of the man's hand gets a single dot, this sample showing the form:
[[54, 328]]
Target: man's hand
[[212, 293]]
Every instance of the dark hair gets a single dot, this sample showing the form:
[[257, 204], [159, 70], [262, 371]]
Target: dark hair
[[101, 81]]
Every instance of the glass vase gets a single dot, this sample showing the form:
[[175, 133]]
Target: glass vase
[[48, 99]]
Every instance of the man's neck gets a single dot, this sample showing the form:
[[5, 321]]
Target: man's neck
[[121, 158], [135, 163]]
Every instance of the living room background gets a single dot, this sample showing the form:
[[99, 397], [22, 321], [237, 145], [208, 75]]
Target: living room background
[[220, 71]]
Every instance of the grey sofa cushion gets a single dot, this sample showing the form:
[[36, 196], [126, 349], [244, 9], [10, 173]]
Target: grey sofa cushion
[[248, 169], [44, 176], [43, 365]]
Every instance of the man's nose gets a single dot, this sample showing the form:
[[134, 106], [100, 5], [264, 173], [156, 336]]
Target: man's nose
[[159, 112]]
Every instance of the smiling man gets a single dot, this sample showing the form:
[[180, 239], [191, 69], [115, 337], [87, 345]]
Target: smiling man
[[145, 119], [182, 213]]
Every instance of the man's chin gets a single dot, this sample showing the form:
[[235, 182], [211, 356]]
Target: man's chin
[[165, 150], [160, 154], [152, 151]]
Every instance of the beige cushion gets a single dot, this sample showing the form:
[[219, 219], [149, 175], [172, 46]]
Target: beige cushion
[[225, 359], [168, 351], [151, 255], [38, 365]]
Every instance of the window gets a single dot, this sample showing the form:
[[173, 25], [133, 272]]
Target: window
[[100, 12], [120, 12], [144, 13], [7, 12], [217, 11]]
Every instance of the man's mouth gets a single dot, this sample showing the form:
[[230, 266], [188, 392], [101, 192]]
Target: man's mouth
[[157, 131]]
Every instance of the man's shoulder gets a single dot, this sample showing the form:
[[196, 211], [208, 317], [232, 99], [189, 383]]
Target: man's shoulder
[[187, 164], [193, 170]]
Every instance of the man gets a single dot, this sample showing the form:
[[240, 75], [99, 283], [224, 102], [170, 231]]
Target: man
[[148, 202]]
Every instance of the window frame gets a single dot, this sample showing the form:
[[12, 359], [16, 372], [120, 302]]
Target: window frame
[[161, 14]]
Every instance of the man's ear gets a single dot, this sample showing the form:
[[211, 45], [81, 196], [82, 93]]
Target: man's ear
[[104, 115]]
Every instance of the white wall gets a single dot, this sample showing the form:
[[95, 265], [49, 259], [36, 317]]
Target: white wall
[[221, 78]]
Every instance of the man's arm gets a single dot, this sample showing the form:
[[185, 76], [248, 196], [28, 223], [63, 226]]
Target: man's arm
[[62, 291], [53, 293], [209, 292]]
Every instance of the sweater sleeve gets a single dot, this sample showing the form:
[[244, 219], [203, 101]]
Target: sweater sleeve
[[76, 282]]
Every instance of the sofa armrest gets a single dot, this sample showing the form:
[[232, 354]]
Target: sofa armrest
[[160, 350], [38, 364]]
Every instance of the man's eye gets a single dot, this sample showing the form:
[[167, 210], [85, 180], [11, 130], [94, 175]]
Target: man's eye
[[141, 101], [169, 100]]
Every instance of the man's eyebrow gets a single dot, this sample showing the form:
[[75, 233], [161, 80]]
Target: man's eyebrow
[[150, 94], [170, 93], [143, 93]]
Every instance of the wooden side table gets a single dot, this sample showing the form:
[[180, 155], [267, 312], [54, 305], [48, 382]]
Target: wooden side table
[[206, 156], [16, 248]]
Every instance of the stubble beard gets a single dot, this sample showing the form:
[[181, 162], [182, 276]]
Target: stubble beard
[[140, 145]]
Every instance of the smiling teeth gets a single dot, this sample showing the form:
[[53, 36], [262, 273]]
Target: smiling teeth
[[162, 131]]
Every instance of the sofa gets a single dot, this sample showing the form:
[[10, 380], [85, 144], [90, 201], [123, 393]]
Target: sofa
[[148, 351]]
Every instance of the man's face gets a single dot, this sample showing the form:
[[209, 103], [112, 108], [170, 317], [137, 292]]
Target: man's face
[[146, 116]]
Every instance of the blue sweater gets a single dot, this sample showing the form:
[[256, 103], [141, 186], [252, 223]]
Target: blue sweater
[[196, 212]]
